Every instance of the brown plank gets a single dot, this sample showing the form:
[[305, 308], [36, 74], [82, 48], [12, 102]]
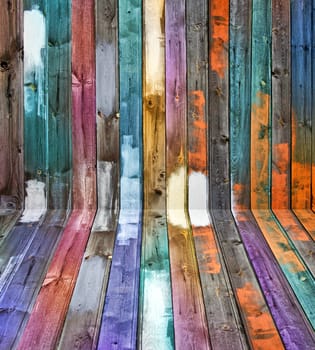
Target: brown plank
[[11, 123], [224, 323], [189, 311]]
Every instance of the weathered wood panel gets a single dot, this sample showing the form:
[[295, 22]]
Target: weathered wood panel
[[189, 312], [83, 319], [120, 315], [11, 123], [281, 135], [261, 105], [156, 327], [299, 278], [240, 96], [240, 73], [259, 326], [301, 123], [224, 324], [35, 109], [301, 73], [19, 291], [218, 100], [58, 62], [284, 308], [281, 106], [44, 326]]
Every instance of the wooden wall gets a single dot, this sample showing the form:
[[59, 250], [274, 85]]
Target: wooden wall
[[157, 174]]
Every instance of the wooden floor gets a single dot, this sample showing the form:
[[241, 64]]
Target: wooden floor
[[162, 193]]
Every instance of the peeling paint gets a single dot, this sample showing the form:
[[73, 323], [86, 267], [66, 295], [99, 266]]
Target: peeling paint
[[35, 201], [198, 192], [176, 198]]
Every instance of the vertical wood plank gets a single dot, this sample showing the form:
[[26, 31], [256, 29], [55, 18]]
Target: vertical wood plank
[[81, 328], [218, 100], [301, 103], [189, 312], [281, 105], [156, 327], [11, 123], [59, 160], [261, 104], [44, 326], [35, 109], [301, 123], [120, 314], [240, 73], [222, 314]]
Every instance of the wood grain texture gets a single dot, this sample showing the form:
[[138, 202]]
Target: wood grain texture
[[298, 276], [45, 324], [83, 319], [300, 279], [240, 87], [189, 312], [224, 324], [301, 123], [259, 326], [261, 104], [11, 124], [31, 243], [156, 325], [120, 314], [48, 314], [298, 237], [284, 308], [35, 94], [232, 245], [281, 106], [59, 160], [301, 72], [218, 100], [281, 135], [18, 292]]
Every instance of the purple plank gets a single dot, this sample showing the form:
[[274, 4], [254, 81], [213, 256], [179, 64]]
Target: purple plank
[[289, 318]]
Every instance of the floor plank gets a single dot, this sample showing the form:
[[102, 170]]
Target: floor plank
[[19, 292], [260, 328], [286, 311]]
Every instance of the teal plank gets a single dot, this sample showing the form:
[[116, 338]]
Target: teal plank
[[240, 87], [59, 105], [35, 87]]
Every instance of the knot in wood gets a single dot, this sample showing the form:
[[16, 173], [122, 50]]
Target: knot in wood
[[4, 66]]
